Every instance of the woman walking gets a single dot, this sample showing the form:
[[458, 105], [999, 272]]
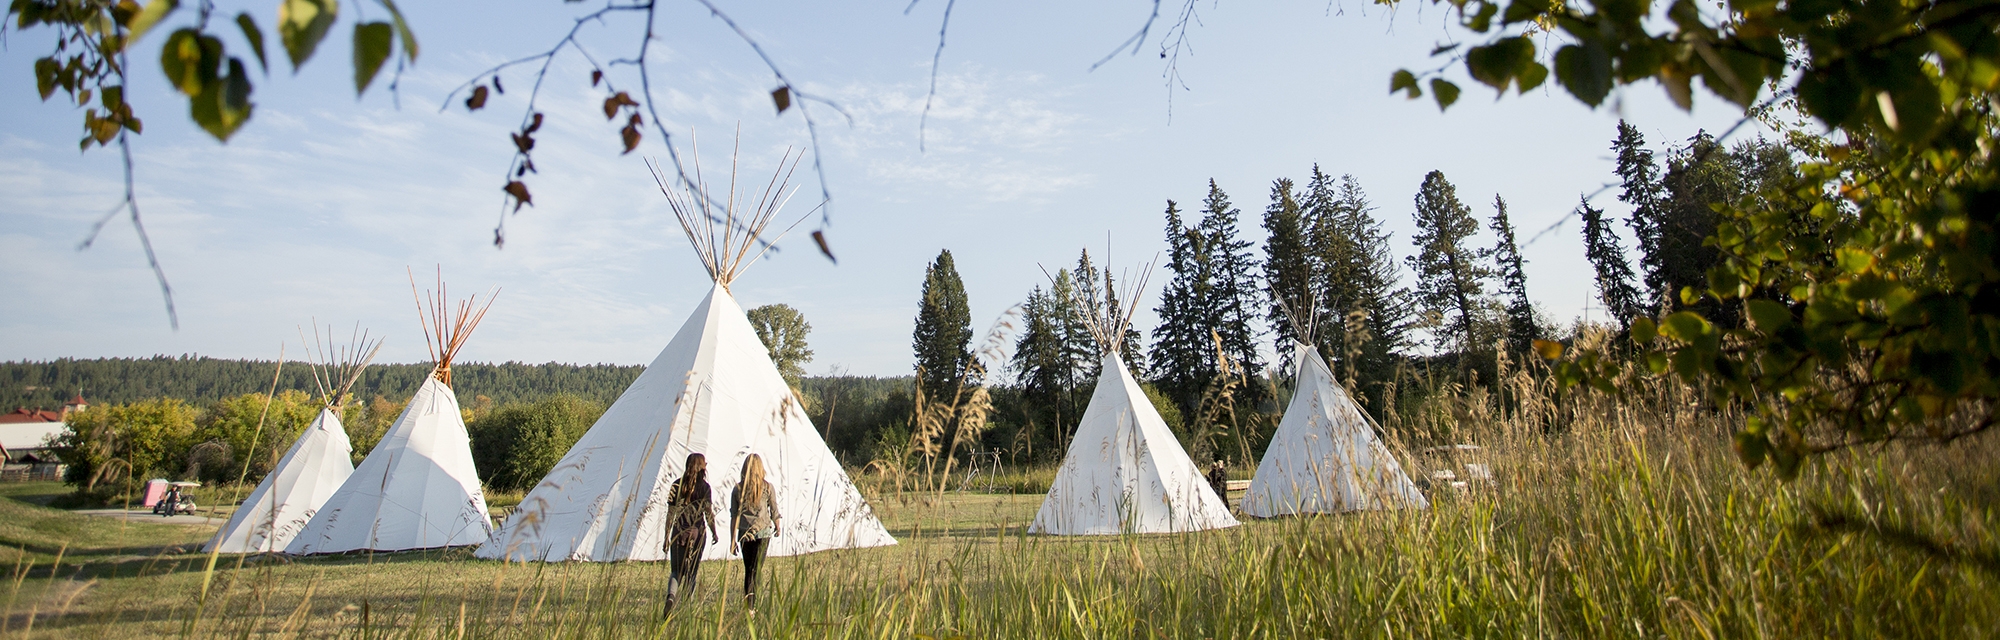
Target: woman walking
[[689, 509], [753, 515]]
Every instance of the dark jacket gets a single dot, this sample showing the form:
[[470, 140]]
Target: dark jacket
[[689, 511]]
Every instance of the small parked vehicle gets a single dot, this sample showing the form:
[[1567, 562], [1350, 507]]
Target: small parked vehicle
[[176, 501]]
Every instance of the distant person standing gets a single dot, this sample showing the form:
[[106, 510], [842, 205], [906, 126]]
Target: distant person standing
[[690, 507], [1218, 479], [753, 515]]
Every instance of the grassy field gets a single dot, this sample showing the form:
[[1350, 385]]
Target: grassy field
[[1634, 524]]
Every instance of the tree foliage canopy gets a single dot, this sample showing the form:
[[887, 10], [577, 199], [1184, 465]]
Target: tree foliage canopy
[[783, 331]]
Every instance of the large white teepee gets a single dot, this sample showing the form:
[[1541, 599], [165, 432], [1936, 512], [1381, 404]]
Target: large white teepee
[[713, 390], [315, 466], [1325, 458], [418, 488], [1125, 472], [281, 505]]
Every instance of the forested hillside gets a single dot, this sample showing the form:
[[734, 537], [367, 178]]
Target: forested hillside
[[201, 380]]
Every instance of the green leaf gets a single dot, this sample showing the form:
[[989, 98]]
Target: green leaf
[[1529, 76], [1444, 91], [1549, 349], [256, 38], [1686, 326], [1524, 10], [1769, 315], [302, 24], [1405, 81], [1656, 362], [223, 104], [190, 60], [1751, 448], [1585, 70], [1643, 331], [372, 43], [402, 30], [144, 21], [1497, 64], [46, 70]]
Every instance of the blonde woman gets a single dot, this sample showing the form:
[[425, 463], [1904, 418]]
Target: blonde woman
[[753, 515], [689, 509]]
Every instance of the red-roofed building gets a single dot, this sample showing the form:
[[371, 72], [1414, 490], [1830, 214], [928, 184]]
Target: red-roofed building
[[25, 435]]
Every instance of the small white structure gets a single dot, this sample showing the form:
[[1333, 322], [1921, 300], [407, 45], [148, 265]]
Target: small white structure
[[1125, 472], [418, 488], [1325, 458], [317, 464], [286, 500], [713, 390]]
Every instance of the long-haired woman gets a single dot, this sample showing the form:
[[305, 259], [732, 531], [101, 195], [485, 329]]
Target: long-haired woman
[[753, 515], [689, 509]]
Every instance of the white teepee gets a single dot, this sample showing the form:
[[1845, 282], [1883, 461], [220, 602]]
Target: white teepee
[[1325, 457], [1125, 472], [281, 505], [713, 390], [418, 488], [315, 466]]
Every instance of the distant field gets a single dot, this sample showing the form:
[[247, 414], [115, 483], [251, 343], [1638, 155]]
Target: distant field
[[1623, 533]]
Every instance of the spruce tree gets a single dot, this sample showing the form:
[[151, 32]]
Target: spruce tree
[[1355, 271], [1182, 359], [1128, 347], [1288, 273], [1450, 275], [1375, 278], [1088, 298], [944, 330], [1643, 191], [1233, 302], [1522, 332], [1614, 274], [1042, 366]]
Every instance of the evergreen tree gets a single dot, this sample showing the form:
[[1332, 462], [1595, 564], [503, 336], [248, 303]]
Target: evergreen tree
[[1078, 347], [1643, 191], [1450, 276], [1374, 278], [1355, 271], [1128, 348], [1233, 301], [1182, 359], [1614, 274], [1088, 300], [1522, 332], [944, 329], [1043, 367], [1288, 273]]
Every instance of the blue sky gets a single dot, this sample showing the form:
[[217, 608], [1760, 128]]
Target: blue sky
[[315, 209]]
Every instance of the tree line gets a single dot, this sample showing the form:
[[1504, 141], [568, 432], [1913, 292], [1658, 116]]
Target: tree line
[[200, 379], [1327, 273], [1323, 271]]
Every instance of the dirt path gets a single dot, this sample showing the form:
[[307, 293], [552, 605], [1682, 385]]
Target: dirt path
[[147, 516]]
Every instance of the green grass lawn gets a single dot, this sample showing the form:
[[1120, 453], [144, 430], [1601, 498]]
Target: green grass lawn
[[1627, 533]]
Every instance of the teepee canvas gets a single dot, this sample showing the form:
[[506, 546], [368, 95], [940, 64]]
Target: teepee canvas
[[1325, 457], [1125, 472], [713, 390], [315, 466], [417, 489]]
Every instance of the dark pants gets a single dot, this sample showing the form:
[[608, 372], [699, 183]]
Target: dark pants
[[684, 559], [753, 559]]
